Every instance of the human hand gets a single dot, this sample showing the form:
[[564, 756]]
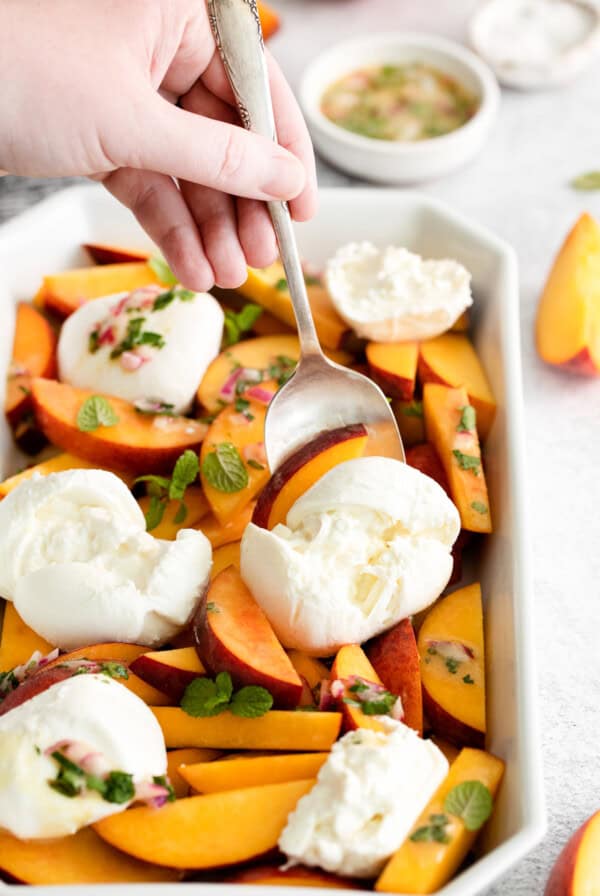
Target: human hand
[[89, 88]]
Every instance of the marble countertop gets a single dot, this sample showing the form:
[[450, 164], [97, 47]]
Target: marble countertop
[[518, 188]]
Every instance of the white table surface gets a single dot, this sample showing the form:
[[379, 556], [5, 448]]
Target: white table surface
[[519, 188]]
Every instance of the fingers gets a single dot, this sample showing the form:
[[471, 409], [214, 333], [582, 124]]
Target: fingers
[[292, 132], [162, 212], [256, 233], [216, 154]]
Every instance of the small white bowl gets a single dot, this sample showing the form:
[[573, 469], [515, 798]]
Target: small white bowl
[[390, 161]]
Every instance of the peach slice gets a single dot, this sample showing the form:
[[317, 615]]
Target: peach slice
[[269, 20], [409, 417], [424, 866], [450, 359], [103, 254], [395, 658], [206, 831], [311, 671], [246, 432], [233, 635], [63, 293], [298, 876], [577, 870], [57, 464], [450, 751], [425, 458], [226, 555], [233, 774], [82, 858], [460, 453], [303, 468], [268, 287], [276, 730], [219, 534], [170, 671], [568, 317], [178, 758], [352, 660], [393, 366], [197, 508], [18, 642], [137, 442], [34, 354], [453, 667], [463, 323]]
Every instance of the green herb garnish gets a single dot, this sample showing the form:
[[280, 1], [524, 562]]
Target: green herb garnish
[[414, 409], [468, 680], [588, 181], [118, 788], [162, 270], [281, 284], [472, 802], [163, 490], [204, 698], [468, 461], [255, 464], [479, 506], [240, 322], [135, 336], [434, 831], [224, 469], [95, 411], [468, 419]]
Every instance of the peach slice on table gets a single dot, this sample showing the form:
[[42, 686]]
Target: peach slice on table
[[226, 555], [220, 535], [409, 417], [206, 831], [197, 508], [393, 366], [233, 635], [57, 464], [105, 254], [577, 869], [138, 442], [449, 428], [395, 657], [298, 876], [268, 287], [63, 293], [351, 661], [170, 671], [425, 865], [234, 774], [276, 730], [452, 654], [18, 642], [568, 316], [34, 354], [303, 468], [236, 435], [82, 858], [178, 758], [450, 359]]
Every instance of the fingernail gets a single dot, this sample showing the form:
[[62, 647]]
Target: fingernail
[[285, 177]]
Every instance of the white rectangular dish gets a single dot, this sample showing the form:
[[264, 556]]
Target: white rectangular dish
[[47, 239]]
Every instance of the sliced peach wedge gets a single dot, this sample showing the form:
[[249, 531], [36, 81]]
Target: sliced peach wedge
[[178, 758], [226, 555], [233, 635], [34, 354], [423, 864], [229, 533], [105, 254], [395, 658], [63, 293], [452, 654], [170, 671], [450, 425], [57, 464], [303, 468], [577, 869], [136, 442], [18, 642], [82, 858], [235, 773], [568, 317], [206, 831], [451, 359], [351, 663], [409, 417], [393, 366]]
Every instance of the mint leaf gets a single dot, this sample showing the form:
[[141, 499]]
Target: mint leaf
[[162, 271], [467, 461], [160, 482], [118, 787], [434, 831], [588, 181], [180, 515], [224, 685], [472, 802], [95, 411], [468, 680], [238, 323], [251, 702], [479, 506], [163, 781], [414, 409], [224, 469], [70, 778], [281, 284], [201, 699], [114, 669], [468, 419], [185, 472], [155, 513], [255, 464]]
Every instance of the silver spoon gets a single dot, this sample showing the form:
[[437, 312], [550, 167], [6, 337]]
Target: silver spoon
[[320, 395]]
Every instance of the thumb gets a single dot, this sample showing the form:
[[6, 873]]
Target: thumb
[[214, 153]]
